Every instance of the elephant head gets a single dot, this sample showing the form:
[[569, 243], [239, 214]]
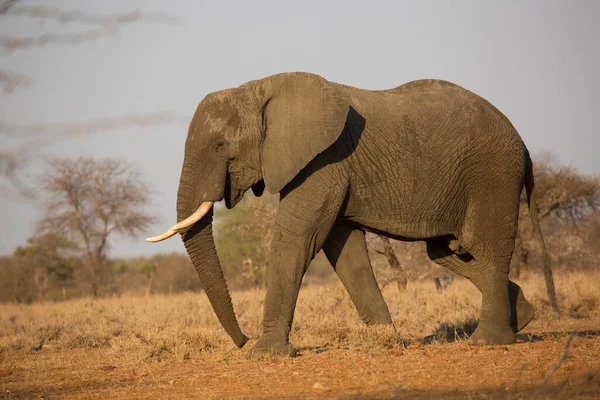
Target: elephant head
[[259, 135]]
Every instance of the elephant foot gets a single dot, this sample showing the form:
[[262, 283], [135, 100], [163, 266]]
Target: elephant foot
[[265, 348], [378, 319], [522, 311], [490, 334], [525, 313]]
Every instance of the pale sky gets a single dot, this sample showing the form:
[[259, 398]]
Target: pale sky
[[537, 61]]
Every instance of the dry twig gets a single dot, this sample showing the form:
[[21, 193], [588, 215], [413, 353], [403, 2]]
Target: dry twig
[[562, 358]]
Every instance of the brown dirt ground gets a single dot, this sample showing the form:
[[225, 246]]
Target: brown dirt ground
[[172, 346], [449, 370]]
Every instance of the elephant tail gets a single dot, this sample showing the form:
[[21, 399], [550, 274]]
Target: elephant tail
[[533, 212]]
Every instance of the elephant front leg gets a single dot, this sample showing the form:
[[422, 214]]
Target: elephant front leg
[[305, 218], [346, 250], [285, 270]]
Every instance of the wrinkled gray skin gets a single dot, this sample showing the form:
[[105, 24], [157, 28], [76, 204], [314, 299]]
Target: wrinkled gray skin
[[427, 160]]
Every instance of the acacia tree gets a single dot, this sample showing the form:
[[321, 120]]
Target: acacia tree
[[92, 200], [561, 193], [44, 258]]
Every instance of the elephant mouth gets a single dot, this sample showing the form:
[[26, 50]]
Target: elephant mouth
[[232, 197], [235, 193]]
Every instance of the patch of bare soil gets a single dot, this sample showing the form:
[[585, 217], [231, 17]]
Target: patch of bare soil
[[535, 367], [174, 347]]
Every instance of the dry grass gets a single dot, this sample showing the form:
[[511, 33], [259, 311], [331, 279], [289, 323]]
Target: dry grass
[[181, 331]]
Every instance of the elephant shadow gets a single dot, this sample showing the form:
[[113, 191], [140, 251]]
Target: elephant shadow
[[537, 337], [313, 349], [447, 332]]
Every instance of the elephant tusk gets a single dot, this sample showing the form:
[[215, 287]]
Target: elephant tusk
[[165, 235], [195, 217], [189, 221]]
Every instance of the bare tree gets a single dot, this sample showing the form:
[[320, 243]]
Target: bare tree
[[93, 200], [562, 193]]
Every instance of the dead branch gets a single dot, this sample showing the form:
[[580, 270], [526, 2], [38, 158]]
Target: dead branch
[[562, 358], [5, 5], [10, 81], [65, 17], [10, 44], [384, 282], [103, 25], [398, 272], [99, 26], [52, 131], [14, 161], [11, 162]]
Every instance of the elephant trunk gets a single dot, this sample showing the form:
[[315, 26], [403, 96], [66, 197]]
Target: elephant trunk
[[199, 240], [199, 243]]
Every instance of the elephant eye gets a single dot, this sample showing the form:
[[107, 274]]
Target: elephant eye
[[222, 146]]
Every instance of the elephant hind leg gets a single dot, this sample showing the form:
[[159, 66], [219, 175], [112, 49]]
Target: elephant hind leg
[[490, 276], [521, 311], [443, 253], [346, 250]]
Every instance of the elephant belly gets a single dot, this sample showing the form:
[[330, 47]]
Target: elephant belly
[[402, 217]]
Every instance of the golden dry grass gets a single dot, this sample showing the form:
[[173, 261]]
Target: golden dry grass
[[173, 346]]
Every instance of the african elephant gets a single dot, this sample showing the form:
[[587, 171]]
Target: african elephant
[[428, 160]]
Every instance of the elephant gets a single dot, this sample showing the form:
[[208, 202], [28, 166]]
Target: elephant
[[426, 161], [443, 282]]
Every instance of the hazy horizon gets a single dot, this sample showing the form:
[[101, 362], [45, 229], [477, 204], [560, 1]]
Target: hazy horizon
[[535, 60]]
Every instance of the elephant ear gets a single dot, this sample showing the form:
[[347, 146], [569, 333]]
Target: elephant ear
[[304, 116]]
